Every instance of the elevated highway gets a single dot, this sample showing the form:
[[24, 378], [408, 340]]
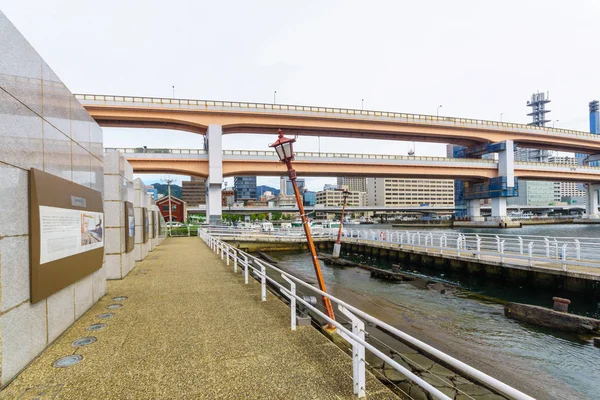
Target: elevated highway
[[242, 117], [266, 163]]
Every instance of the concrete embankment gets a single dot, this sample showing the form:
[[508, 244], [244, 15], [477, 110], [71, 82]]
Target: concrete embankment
[[548, 318]]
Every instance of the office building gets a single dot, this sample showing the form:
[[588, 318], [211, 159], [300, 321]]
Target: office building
[[193, 192], [245, 188], [287, 188], [354, 184], [310, 198], [566, 189], [388, 192], [335, 198]]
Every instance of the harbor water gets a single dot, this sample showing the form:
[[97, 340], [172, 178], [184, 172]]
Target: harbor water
[[474, 317]]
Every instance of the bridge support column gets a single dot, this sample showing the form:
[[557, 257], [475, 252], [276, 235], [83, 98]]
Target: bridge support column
[[474, 209], [214, 212], [499, 207], [592, 201]]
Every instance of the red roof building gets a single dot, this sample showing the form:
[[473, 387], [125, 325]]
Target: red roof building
[[178, 208]]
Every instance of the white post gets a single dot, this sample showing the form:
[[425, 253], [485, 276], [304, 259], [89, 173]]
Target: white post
[[263, 282], [497, 243], [245, 269], [458, 244], [478, 247], [235, 261], [578, 249], [228, 254], [520, 245], [502, 251], [530, 250], [547, 243], [564, 257], [555, 248], [292, 301], [358, 353]]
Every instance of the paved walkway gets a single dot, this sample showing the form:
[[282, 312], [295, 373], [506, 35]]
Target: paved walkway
[[191, 329]]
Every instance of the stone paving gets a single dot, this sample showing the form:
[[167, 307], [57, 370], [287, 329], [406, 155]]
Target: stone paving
[[190, 329]]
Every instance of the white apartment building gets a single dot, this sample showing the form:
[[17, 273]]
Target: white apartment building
[[335, 198], [566, 189], [389, 192]]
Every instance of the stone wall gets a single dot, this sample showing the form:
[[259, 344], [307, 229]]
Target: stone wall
[[118, 188], [42, 126]]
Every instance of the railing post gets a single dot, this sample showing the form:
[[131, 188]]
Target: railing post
[[520, 245], [564, 257], [547, 242], [530, 250], [222, 250], [263, 282], [358, 353], [497, 243], [458, 245], [502, 251], [235, 260], [478, 247], [228, 253], [245, 269], [556, 248], [578, 249], [292, 301]]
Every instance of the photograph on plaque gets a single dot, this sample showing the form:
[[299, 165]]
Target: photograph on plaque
[[154, 224], [146, 225], [66, 224], [129, 226]]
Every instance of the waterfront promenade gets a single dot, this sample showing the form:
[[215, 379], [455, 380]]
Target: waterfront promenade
[[190, 328]]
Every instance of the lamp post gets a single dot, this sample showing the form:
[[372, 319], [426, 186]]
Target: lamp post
[[337, 247], [501, 114], [275, 97], [555, 121], [437, 112], [168, 181], [362, 104], [285, 152]]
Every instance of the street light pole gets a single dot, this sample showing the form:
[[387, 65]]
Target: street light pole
[[275, 97], [437, 112], [169, 180], [362, 104], [555, 121], [337, 247], [284, 149], [501, 114], [173, 91]]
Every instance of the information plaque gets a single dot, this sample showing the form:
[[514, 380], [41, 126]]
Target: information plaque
[[145, 225], [66, 224]]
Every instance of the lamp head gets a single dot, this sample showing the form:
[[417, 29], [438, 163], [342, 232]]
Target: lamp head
[[284, 147]]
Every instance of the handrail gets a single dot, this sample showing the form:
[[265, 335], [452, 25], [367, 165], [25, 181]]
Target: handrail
[[242, 257], [204, 105]]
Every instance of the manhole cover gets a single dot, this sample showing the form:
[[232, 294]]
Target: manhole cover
[[67, 361], [120, 298], [84, 341], [106, 315], [113, 306], [96, 327]]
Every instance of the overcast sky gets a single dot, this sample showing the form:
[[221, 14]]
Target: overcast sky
[[477, 59]]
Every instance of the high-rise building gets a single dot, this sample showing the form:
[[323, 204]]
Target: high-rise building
[[245, 188], [289, 188], [193, 192], [355, 184], [329, 186], [594, 108], [388, 192], [533, 193], [310, 198]]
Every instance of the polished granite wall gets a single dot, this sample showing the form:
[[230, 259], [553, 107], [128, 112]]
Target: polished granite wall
[[42, 126]]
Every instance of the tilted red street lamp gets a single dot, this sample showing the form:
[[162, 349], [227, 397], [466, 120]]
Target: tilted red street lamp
[[337, 247], [284, 148]]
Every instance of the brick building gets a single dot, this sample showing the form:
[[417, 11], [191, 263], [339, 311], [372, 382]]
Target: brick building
[[178, 208]]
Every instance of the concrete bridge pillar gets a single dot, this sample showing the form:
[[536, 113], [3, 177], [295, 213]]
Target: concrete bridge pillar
[[499, 207], [592, 201], [506, 163], [214, 182], [474, 209]]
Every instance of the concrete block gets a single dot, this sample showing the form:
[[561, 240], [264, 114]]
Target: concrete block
[[112, 187], [61, 311], [14, 271], [128, 171], [114, 214], [111, 163], [23, 335], [99, 283], [112, 241], [138, 252], [84, 298], [138, 234], [112, 266]]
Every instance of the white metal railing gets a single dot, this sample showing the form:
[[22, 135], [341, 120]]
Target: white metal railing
[[141, 150], [528, 249], [566, 251], [264, 108], [356, 335]]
